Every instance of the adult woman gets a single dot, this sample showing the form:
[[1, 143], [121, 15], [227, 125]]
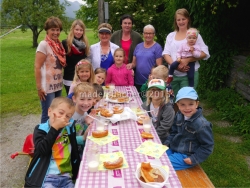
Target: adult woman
[[174, 40], [77, 48], [101, 53], [49, 61], [126, 38], [146, 55]]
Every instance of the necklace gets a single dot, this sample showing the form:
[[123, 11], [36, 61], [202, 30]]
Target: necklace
[[104, 55]]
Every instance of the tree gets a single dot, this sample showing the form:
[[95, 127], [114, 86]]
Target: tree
[[32, 14]]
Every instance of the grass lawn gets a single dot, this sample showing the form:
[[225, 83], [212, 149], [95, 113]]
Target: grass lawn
[[226, 167]]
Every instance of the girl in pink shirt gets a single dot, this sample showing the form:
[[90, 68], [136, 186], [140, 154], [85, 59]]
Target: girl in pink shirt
[[118, 74]]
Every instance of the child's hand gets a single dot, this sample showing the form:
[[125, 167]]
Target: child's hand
[[88, 120], [87, 131], [188, 161], [58, 122], [191, 49]]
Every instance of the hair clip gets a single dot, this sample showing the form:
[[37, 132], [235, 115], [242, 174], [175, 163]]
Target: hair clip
[[82, 63]]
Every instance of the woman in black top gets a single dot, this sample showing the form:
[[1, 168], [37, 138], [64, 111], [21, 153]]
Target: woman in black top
[[77, 48]]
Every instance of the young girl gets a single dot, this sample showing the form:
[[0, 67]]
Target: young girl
[[118, 74], [83, 73], [100, 75], [161, 111]]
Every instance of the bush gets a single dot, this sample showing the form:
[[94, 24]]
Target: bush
[[232, 107]]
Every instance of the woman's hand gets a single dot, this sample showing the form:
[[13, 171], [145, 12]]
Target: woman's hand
[[129, 66], [183, 66], [41, 94]]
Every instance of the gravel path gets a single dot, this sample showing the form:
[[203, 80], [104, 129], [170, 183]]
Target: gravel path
[[14, 130]]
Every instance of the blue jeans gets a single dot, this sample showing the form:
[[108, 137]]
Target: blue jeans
[[46, 104], [177, 160], [57, 181]]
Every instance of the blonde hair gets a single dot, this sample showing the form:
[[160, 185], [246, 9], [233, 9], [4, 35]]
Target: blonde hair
[[161, 71], [59, 100], [165, 98], [105, 25], [83, 37], [119, 50], [84, 89], [184, 13], [100, 70], [84, 63]]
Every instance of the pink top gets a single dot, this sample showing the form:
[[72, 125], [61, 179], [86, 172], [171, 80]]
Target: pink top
[[119, 76], [184, 51], [126, 47]]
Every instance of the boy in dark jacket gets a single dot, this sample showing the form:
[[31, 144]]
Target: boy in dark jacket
[[191, 138], [56, 160]]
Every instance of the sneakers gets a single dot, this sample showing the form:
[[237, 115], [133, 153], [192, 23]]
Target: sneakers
[[170, 79]]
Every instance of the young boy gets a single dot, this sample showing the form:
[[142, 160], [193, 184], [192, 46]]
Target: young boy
[[83, 98], [191, 139], [159, 72], [56, 159]]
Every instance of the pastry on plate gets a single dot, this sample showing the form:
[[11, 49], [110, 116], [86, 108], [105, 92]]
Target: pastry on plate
[[106, 112], [118, 109], [113, 164]]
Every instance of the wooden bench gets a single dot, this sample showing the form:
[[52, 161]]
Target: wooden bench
[[194, 177]]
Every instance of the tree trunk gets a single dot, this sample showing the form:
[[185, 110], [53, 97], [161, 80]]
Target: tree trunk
[[35, 37], [100, 11]]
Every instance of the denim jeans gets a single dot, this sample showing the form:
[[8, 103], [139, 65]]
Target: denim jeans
[[46, 104], [177, 160], [57, 181]]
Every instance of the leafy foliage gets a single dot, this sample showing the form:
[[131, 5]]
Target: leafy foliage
[[32, 14]]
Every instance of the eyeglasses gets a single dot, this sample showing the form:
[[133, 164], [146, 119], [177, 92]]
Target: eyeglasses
[[148, 33]]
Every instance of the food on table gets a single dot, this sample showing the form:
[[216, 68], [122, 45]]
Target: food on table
[[147, 135], [141, 118], [113, 164], [123, 99], [118, 109], [98, 110], [118, 96], [106, 112], [150, 174], [100, 134]]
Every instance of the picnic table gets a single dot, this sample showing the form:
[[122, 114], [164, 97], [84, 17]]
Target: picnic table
[[128, 132]]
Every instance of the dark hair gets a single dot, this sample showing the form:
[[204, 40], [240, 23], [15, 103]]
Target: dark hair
[[99, 90], [126, 16], [53, 22]]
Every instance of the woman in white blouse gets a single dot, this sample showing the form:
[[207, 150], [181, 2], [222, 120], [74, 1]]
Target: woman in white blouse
[[173, 42], [101, 53]]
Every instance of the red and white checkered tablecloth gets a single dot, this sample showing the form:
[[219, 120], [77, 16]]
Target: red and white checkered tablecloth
[[129, 139]]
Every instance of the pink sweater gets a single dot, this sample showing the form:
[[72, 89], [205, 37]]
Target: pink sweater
[[119, 76]]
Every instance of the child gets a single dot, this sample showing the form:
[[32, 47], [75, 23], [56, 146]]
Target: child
[[83, 73], [191, 139], [56, 159], [100, 75], [83, 98], [189, 49], [118, 74], [162, 112], [157, 72], [98, 95]]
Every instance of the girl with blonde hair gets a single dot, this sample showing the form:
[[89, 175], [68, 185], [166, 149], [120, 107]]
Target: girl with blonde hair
[[83, 73], [77, 47]]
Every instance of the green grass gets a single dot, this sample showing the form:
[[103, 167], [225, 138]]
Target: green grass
[[226, 167], [17, 82]]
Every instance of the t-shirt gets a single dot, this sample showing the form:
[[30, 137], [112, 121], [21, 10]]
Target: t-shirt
[[60, 160], [80, 126], [51, 70], [126, 47], [145, 60]]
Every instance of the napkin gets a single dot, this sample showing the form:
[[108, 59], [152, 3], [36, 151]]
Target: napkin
[[112, 157], [126, 114], [104, 140], [152, 149]]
